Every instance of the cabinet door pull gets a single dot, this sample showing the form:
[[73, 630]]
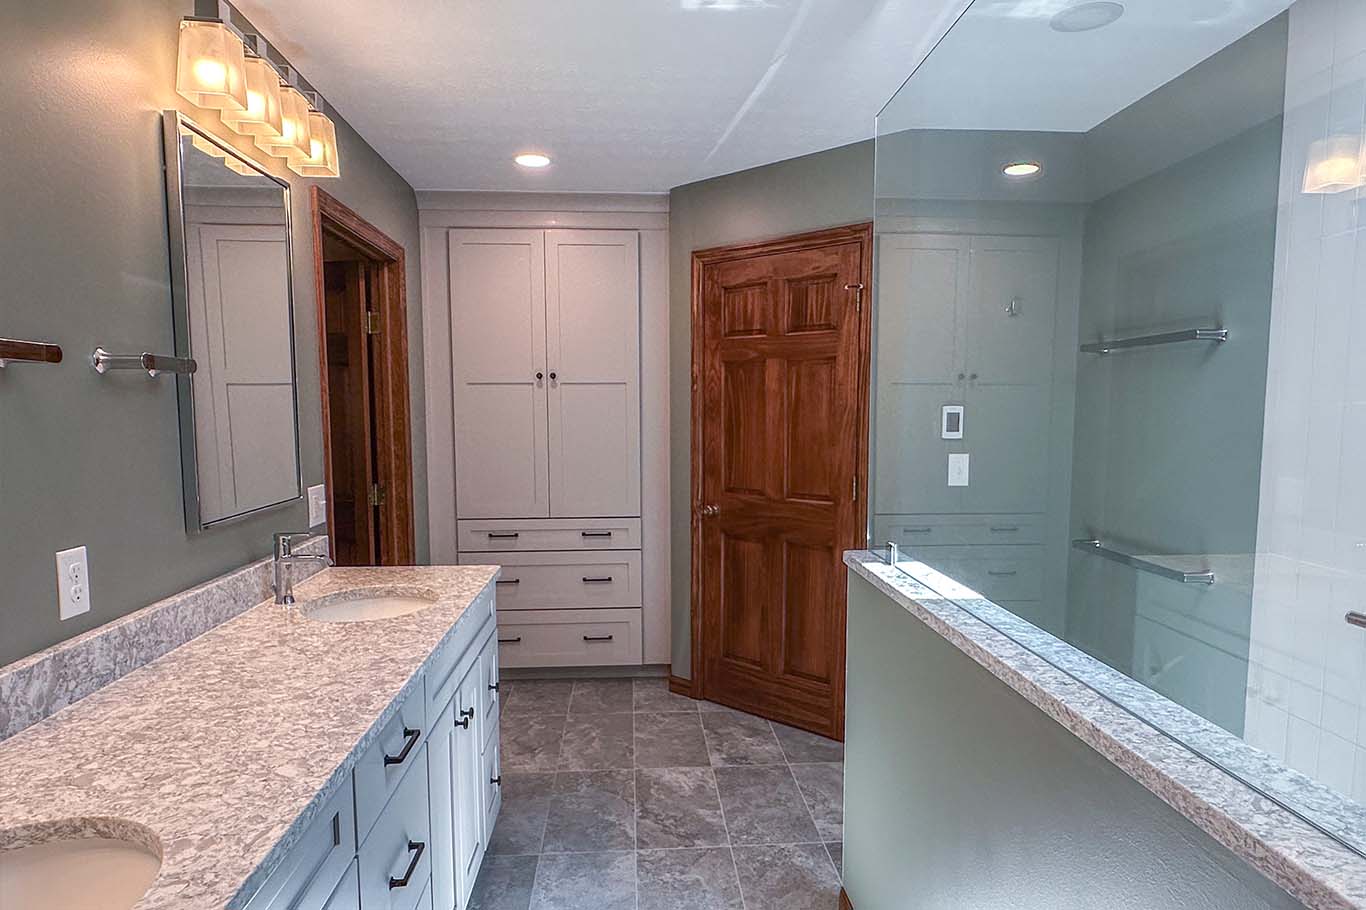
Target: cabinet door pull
[[465, 715], [412, 737], [493, 687], [510, 641], [597, 579], [503, 535], [597, 638], [509, 581], [1002, 573], [1005, 529], [416, 848], [595, 533], [496, 781], [918, 530]]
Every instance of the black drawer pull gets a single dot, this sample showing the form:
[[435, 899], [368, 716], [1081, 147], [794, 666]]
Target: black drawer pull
[[595, 533], [597, 638], [503, 535], [1002, 573], [509, 581], [597, 579], [510, 641], [918, 530], [413, 736], [1005, 530], [493, 687], [416, 848], [496, 781], [466, 714]]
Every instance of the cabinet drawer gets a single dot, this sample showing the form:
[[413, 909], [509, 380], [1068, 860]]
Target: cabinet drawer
[[347, 894], [395, 858], [551, 581], [569, 638], [383, 765], [314, 866], [910, 531], [456, 657], [488, 688], [500, 535], [997, 573]]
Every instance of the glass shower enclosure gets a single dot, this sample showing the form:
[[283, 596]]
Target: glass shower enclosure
[[1120, 363]]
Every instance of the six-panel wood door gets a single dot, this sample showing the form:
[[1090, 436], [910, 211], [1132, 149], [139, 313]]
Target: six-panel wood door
[[780, 404], [497, 288], [593, 356]]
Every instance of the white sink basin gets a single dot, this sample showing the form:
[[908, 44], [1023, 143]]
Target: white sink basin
[[366, 604], [91, 873]]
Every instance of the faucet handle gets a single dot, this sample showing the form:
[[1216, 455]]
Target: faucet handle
[[284, 542]]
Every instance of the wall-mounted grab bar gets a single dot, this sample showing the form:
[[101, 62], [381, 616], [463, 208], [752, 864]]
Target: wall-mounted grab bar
[[154, 364], [12, 350], [1205, 577], [1219, 336], [1356, 619]]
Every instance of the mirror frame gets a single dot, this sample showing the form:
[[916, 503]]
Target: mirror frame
[[172, 124]]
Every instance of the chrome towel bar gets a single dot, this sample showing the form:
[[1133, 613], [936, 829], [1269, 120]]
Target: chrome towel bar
[[154, 364], [1205, 577], [1219, 336], [12, 350]]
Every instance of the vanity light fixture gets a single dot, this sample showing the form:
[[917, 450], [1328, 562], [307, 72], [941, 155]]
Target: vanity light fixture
[[1018, 169], [1335, 165], [532, 160], [323, 161], [211, 65], [263, 115], [295, 142]]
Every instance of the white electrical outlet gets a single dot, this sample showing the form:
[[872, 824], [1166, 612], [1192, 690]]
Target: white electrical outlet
[[317, 505], [73, 583], [958, 470]]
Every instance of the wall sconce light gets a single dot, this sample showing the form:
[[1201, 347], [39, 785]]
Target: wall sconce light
[[1334, 165], [323, 162], [211, 66], [294, 144], [262, 116]]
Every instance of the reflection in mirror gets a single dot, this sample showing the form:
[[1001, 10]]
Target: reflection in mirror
[[232, 287], [1120, 363]]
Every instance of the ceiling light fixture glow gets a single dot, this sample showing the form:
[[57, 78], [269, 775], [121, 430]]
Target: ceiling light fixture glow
[[1022, 169], [1087, 17], [532, 160]]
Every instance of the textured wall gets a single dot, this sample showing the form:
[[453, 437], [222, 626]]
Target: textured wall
[[95, 460], [804, 194], [959, 793]]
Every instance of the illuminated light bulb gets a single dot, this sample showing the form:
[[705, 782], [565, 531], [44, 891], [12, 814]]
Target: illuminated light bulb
[[1022, 169], [211, 66], [532, 160], [263, 115], [294, 143]]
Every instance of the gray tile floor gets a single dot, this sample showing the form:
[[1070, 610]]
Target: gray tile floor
[[619, 795]]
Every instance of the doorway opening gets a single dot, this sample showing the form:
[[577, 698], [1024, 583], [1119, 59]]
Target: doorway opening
[[363, 353], [780, 339]]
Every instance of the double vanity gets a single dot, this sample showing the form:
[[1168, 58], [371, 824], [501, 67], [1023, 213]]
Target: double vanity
[[339, 753]]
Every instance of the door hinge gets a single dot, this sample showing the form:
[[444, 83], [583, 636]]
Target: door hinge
[[376, 495], [371, 322], [858, 295], [855, 488]]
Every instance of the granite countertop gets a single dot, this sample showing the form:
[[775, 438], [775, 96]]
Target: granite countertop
[[218, 754], [1316, 869]]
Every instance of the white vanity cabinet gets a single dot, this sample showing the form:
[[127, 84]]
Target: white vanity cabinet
[[408, 829]]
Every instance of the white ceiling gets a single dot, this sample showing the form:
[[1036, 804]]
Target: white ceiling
[[624, 95]]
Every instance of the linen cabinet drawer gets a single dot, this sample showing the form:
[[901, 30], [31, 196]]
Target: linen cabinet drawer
[[310, 874], [569, 638], [504, 535], [910, 531], [997, 573], [395, 858], [382, 767], [550, 581]]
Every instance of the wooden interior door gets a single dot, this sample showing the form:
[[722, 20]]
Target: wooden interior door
[[780, 457], [346, 284]]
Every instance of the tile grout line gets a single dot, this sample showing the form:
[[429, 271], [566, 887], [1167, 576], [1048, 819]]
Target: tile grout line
[[805, 802], [730, 841]]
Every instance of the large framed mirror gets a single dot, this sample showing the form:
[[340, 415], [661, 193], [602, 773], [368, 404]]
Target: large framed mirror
[[231, 282]]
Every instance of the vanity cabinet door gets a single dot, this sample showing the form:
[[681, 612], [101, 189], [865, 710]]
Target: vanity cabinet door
[[457, 804]]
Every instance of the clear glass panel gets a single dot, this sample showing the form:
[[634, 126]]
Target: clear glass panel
[[1120, 371]]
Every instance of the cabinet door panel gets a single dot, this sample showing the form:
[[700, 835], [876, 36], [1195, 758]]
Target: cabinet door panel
[[1019, 276], [912, 461], [497, 281], [593, 349], [1008, 433], [467, 784], [922, 279]]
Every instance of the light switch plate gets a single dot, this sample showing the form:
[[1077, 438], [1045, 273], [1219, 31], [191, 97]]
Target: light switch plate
[[73, 583], [958, 470], [317, 505]]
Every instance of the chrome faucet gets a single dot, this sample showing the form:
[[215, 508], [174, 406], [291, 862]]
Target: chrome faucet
[[284, 556]]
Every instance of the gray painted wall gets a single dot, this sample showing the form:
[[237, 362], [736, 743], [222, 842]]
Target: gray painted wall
[[95, 460], [959, 793], [804, 194]]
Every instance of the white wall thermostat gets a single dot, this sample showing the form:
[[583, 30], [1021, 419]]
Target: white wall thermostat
[[951, 425]]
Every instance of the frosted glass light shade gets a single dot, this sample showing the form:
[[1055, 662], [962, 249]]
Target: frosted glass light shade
[[245, 170], [323, 162], [206, 146], [211, 66], [1334, 165], [294, 143], [262, 116]]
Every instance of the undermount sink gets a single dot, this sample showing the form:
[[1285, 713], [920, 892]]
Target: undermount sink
[[76, 873], [366, 604]]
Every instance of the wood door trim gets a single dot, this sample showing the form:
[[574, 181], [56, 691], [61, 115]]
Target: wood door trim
[[392, 405], [861, 233]]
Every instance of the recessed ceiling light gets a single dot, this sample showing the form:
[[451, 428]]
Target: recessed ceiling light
[[1085, 17], [532, 159], [1022, 169]]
